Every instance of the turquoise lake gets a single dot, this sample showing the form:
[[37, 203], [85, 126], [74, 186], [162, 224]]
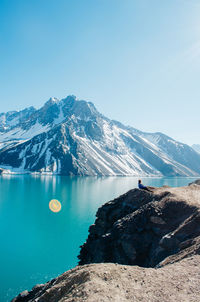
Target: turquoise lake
[[37, 244]]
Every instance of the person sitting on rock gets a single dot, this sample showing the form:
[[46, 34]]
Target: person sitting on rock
[[141, 186]]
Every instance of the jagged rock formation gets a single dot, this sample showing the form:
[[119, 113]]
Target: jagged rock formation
[[71, 137], [159, 231], [143, 228]]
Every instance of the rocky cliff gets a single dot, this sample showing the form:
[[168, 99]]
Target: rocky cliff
[[144, 228], [146, 247]]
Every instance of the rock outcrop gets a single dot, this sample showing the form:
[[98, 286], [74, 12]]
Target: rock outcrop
[[145, 246], [196, 182], [144, 228], [178, 282]]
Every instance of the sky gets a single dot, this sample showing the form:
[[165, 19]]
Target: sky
[[138, 61]]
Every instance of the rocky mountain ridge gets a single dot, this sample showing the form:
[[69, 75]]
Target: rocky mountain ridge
[[70, 137]]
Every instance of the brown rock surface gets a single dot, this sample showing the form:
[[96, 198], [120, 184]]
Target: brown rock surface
[[179, 282]]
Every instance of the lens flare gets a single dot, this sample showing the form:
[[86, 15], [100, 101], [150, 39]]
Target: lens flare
[[55, 205]]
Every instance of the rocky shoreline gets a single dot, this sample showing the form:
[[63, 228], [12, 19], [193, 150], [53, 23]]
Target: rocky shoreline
[[144, 246]]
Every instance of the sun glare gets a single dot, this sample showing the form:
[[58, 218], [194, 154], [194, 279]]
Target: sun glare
[[55, 205]]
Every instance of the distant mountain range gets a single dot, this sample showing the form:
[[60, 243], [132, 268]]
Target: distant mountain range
[[70, 137]]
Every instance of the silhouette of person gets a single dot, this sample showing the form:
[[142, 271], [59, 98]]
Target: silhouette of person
[[142, 187]]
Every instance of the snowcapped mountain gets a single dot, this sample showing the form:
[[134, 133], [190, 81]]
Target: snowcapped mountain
[[196, 147], [71, 137]]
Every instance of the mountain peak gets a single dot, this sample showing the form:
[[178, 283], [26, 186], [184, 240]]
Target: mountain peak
[[69, 136], [69, 100], [51, 101]]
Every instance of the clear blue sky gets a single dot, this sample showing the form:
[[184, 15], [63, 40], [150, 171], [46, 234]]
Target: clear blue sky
[[138, 61]]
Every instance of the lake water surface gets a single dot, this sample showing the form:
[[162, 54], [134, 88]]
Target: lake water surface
[[37, 244]]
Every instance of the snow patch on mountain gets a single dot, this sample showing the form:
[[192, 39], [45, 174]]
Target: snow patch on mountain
[[23, 134], [196, 147], [71, 137]]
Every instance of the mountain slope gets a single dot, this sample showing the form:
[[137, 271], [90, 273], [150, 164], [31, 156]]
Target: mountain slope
[[196, 147], [71, 137]]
